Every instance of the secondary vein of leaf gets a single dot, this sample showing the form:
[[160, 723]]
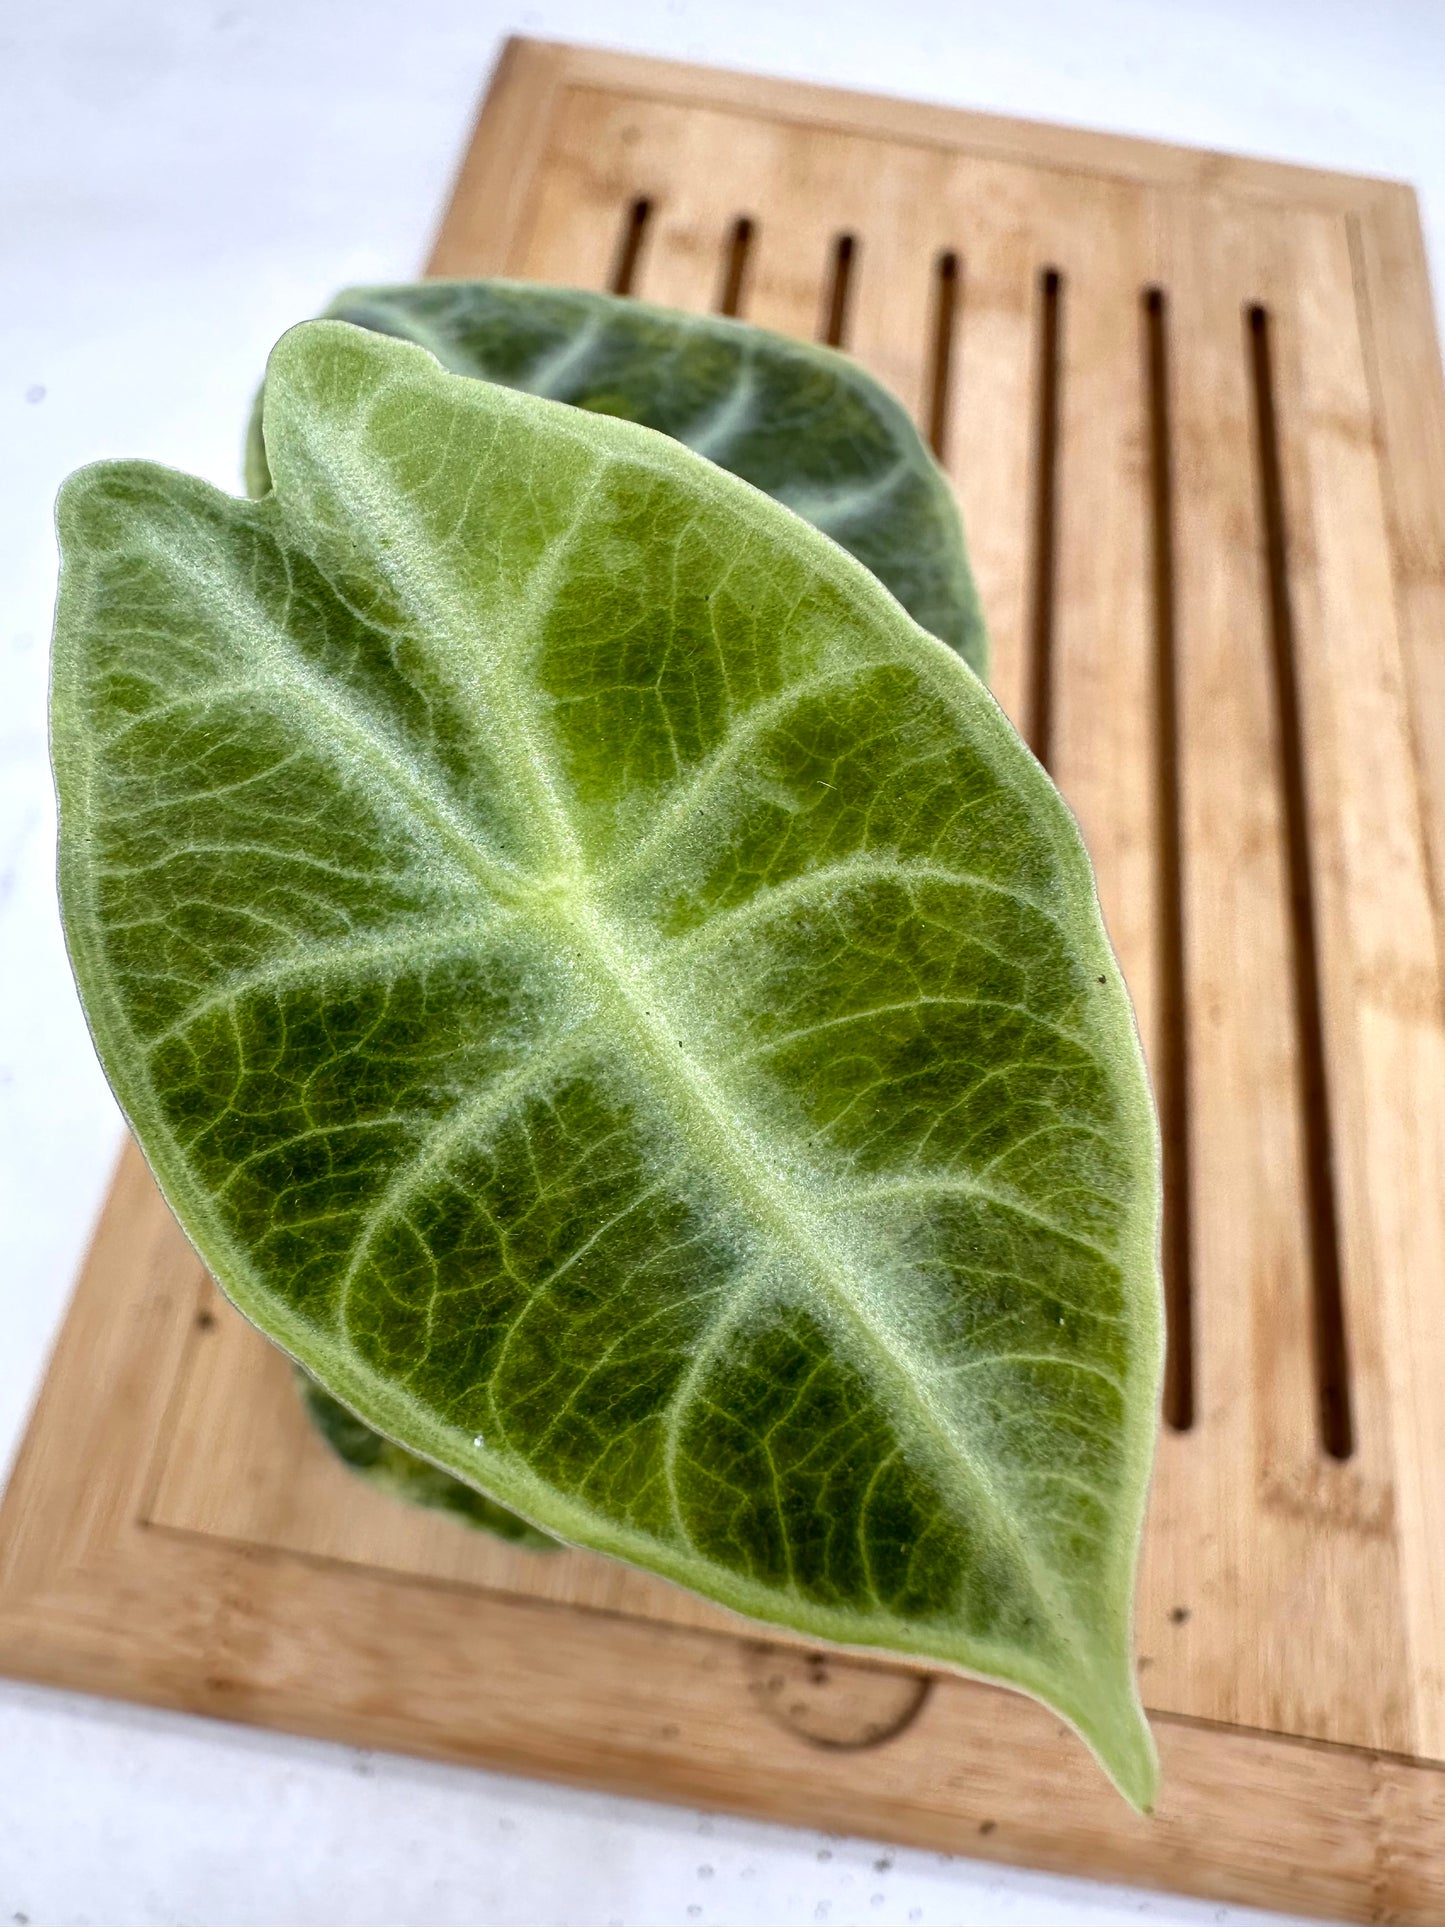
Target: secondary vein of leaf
[[467, 1121], [344, 723], [688, 797], [827, 508], [857, 869], [314, 961]]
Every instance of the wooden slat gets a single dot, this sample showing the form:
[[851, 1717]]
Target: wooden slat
[[898, 212], [793, 255], [1384, 998], [1102, 749], [991, 418], [1407, 390], [1035, 144], [174, 1532], [1286, 1529], [710, 172]]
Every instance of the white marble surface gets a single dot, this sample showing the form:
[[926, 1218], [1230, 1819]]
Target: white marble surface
[[179, 180]]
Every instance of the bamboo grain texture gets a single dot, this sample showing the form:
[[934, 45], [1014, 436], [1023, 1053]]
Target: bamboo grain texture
[[1193, 409]]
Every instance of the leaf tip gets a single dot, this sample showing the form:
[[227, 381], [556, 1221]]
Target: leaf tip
[[1121, 1738]]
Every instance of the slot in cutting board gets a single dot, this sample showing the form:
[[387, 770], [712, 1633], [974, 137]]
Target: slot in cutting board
[[1194, 411]]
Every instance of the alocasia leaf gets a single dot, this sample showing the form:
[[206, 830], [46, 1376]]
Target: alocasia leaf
[[619, 1004], [394, 1470], [807, 426]]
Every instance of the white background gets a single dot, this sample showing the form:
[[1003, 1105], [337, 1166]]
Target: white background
[[179, 181]]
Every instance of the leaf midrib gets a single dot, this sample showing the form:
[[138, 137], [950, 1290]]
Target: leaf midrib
[[694, 1098]]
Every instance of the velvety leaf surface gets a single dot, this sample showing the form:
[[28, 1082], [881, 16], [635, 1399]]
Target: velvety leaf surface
[[807, 426], [402, 1475], [617, 1001]]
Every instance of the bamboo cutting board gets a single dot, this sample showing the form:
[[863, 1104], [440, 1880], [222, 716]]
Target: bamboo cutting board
[[1194, 411]]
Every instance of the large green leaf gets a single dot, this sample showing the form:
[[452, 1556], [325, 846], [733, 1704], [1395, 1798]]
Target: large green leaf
[[807, 426], [618, 1002]]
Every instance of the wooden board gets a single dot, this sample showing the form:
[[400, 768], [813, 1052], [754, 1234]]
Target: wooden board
[[1194, 411]]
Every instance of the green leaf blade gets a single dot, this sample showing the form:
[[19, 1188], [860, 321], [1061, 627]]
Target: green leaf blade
[[804, 424], [619, 1004]]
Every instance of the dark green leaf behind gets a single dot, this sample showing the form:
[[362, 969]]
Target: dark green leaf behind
[[806, 425]]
